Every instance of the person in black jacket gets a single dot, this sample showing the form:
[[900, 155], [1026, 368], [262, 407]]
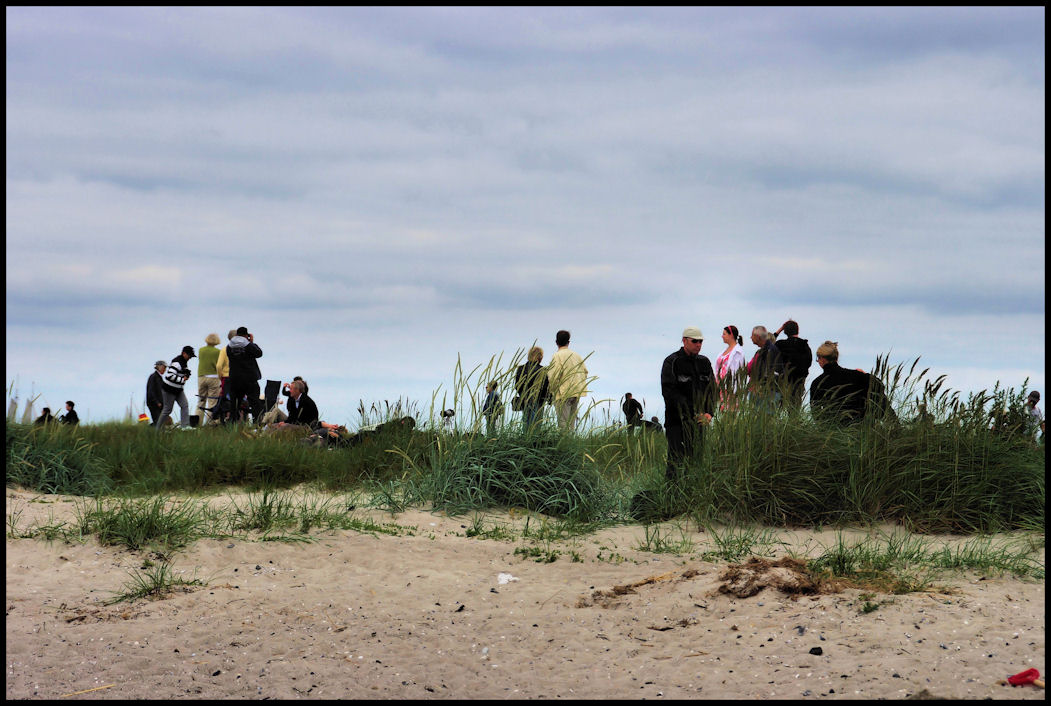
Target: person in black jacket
[[154, 391], [844, 396], [243, 351], [70, 417], [687, 382], [531, 384], [45, 418], [767, 370], [632, 412], [797, 356], [301, 409]]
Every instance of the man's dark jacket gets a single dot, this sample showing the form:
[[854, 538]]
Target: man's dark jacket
[[797, 356], [303, 411], [767, 366], [243, 354], [154, 388], [632, 411], [686, 383]]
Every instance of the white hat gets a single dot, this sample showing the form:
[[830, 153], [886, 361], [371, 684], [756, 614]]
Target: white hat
[[692, 332]]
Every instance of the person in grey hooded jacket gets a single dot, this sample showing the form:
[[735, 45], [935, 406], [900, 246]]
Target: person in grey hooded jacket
[[244, 373]]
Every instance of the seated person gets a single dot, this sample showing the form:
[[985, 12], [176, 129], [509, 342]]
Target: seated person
[[45, 417], [302, 411], [845, 396], [337, 434], [652, 424], [286, 389], [70, 417]]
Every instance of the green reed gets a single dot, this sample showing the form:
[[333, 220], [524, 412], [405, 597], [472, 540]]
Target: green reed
[[941, 463]]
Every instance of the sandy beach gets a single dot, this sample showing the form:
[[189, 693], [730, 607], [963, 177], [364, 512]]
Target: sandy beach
[[435, 614]]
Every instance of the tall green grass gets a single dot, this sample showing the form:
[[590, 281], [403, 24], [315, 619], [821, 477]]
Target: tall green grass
[[944, 463]]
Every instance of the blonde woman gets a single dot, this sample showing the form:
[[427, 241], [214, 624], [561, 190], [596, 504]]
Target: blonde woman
[[532, 386]]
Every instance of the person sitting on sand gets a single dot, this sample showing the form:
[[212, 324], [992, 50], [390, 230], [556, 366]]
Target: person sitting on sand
[[45, 418]]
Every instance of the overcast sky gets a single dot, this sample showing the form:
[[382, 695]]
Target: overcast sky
[[375, 192]]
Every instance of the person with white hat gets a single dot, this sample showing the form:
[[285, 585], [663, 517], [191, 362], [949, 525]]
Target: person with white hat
[[687, 382]]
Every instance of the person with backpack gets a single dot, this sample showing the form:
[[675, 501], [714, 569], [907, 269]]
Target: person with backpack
[[797, 357]]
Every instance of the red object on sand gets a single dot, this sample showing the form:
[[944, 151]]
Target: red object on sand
[[1027, 677]]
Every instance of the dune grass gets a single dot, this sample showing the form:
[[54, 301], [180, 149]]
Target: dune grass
[[938, 466]]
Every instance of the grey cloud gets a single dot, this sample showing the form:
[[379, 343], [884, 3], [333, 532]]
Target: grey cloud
[[953, 298]]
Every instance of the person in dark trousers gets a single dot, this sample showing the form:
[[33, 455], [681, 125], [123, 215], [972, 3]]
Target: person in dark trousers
[[632, 412], [797, 357], [172, 388], [532, 386], [844, 396], [687, 384], [70, 417], [767, 370], [243, 352], [45, 418], [155, 390], [491, 408]]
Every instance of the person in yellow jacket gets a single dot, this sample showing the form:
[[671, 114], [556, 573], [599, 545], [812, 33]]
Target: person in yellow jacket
[[222, 369], [567, 380]]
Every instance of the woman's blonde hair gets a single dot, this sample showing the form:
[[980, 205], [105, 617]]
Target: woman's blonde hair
[[212, 339], [829, 350], [536, 354]]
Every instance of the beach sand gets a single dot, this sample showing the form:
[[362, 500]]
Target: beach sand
[[428, 615]]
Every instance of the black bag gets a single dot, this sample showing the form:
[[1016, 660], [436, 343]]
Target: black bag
[[516, 403]]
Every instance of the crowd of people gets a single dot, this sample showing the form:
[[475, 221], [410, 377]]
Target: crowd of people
[[694, 390]]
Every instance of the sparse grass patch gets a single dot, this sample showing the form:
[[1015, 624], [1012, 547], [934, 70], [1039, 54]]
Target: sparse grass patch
[[665, 541], [137, 524], [154, 580], [736, 543]]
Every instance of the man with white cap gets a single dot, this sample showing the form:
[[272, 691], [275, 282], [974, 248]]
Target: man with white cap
[[689, 402]]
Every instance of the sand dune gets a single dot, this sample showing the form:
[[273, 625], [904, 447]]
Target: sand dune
[[433, 614]]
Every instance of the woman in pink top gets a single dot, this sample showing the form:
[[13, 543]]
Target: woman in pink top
[[731, 360]]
